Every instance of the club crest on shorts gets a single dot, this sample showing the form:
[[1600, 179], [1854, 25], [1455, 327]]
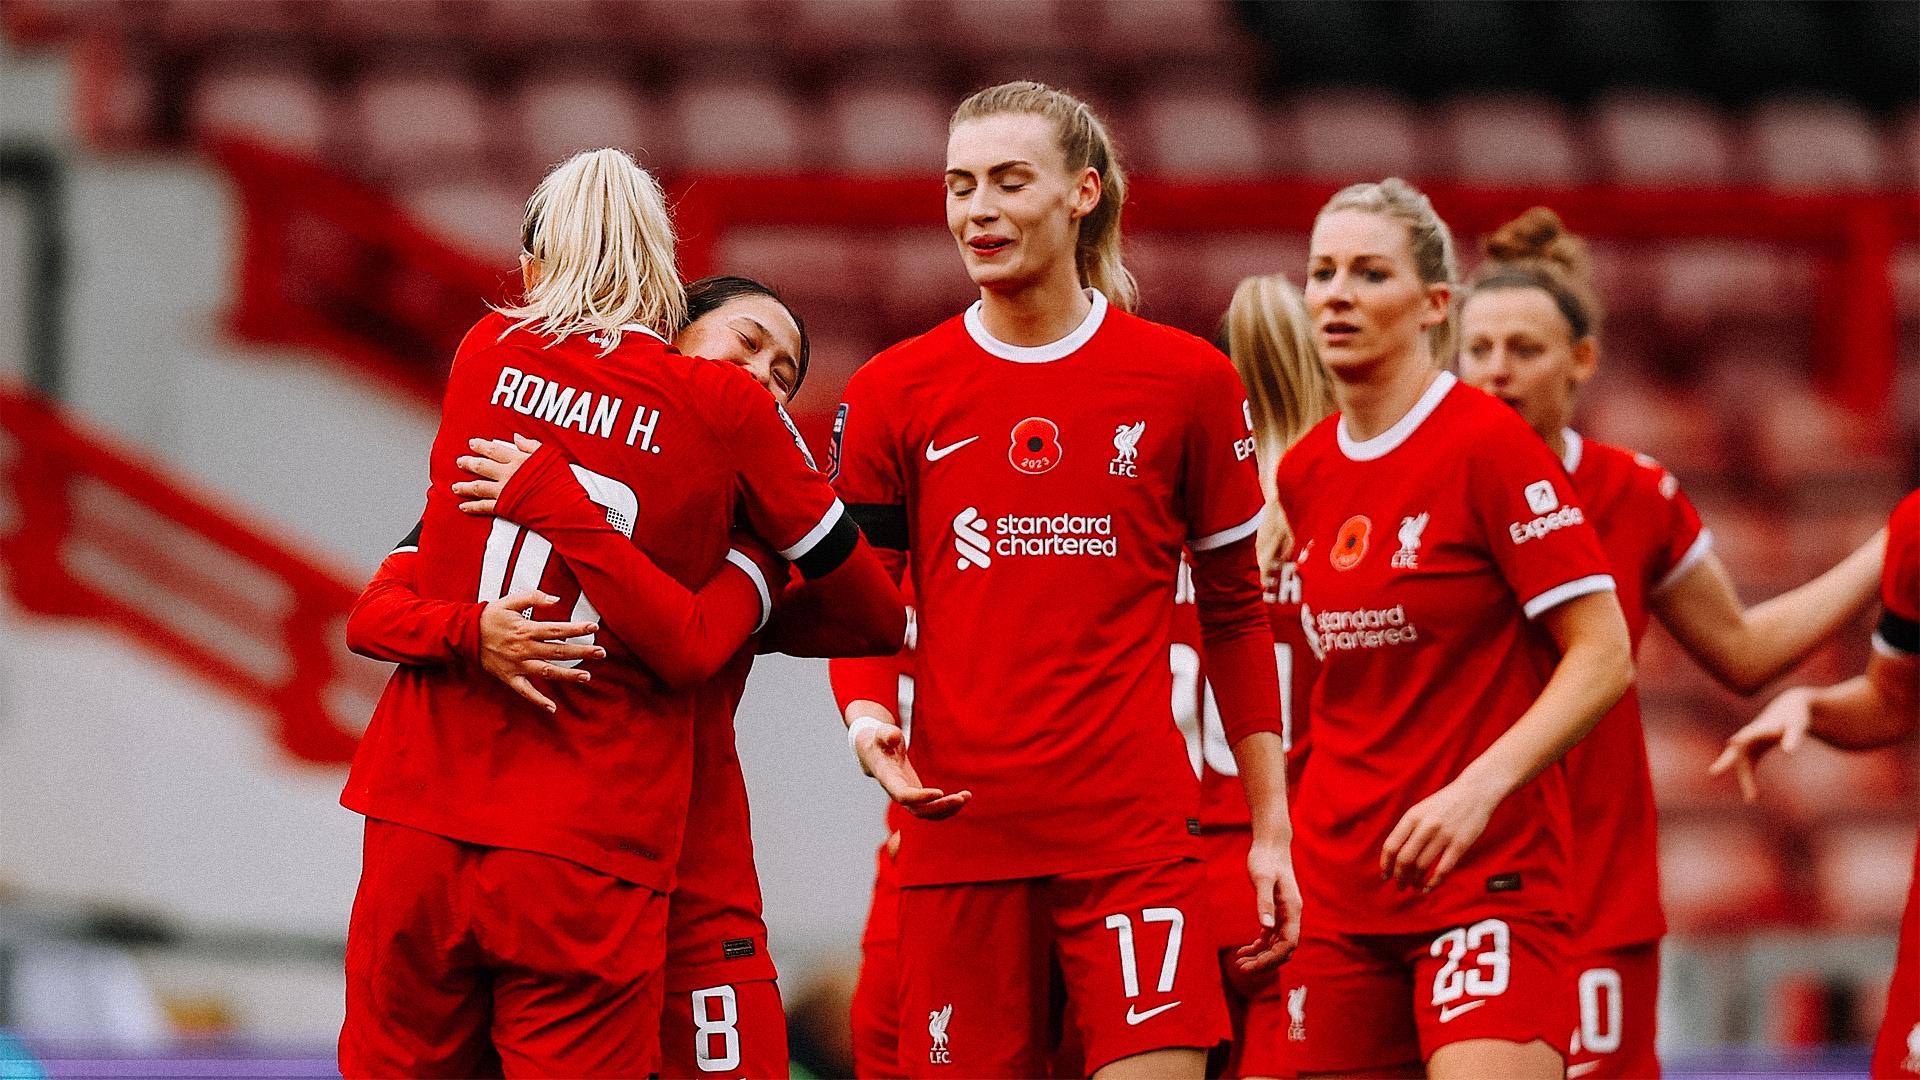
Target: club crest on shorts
[[1350, 543], [1034, 447], [937, 1021], [1297, 1014]]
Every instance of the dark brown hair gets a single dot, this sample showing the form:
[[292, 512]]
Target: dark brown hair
[[1536, 251]]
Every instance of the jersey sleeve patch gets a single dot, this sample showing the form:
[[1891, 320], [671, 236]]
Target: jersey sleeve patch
[[1560, 594]]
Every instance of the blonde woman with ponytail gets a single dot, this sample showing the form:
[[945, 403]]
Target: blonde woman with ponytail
[[1469, 635], [1041, 461], [1531, 333], [512, 906]]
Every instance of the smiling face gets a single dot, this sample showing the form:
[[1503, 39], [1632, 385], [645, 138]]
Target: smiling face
[[757, 333], [1013, 205], [1520, 348], [1364, 292]]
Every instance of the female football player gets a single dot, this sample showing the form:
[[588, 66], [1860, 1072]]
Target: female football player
[[1469, 636], [1530, 336], [1043, 459]]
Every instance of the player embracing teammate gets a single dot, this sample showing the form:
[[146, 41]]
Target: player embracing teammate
[[1040, 462]]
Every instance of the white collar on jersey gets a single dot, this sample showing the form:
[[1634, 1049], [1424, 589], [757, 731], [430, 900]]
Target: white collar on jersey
[[1038, 354], [628, 328], [1575, 446], [1387, 441]]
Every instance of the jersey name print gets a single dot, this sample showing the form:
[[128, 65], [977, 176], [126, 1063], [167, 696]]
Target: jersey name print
[[1423, 554], [1045, 496], [673, 448]]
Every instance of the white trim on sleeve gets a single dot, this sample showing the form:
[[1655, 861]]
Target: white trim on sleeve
[[1228, 535], [1038, 354], [1889, 650], [404, 547], [759, 584], [1560, 594], [1697, 551], [634, 327], [1575, 447], [800, 547]]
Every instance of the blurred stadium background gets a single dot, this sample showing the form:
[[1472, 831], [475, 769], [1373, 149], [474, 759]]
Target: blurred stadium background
[[239, 238]]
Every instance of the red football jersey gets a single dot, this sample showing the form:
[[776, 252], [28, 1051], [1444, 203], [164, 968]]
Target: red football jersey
[[1044, 495], [674, 447], [1652, 536], [1424, 553]]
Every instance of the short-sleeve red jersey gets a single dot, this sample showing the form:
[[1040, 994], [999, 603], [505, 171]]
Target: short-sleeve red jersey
[[1652, 536], [676, 449], [1424, 553], [1044, 495], [1899, 630]]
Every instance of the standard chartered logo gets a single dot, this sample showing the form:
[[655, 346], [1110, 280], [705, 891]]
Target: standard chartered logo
[[970, 539], [977, 541]]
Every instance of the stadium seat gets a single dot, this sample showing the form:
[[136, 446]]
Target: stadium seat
[[888, 127], [922, 280], [1861, 872], [1651, 140], [558, 116], [479, 216], [1721, 875], [739, 27], [1228, 259], [1700, 281], [1811, 145], [523, 22], [199, 20], [1511, 140], [419, 124], [808, 266], [1678, 753], [282, 108], [1199, 131], [732, 125], [1346, 136], [831, 26], [1141, 32]]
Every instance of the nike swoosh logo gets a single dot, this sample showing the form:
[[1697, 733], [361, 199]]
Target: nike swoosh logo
[[1574, 1072], [936, 453], [1142, 1017], [1447, 1014]]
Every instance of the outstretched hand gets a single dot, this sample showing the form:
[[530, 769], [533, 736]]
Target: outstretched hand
[[882, 749], [1277, 895], [494, 461], [1783, 723]]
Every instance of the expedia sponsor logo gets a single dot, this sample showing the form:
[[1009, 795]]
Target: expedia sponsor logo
[[979, 540], [1366, 628], [1523, 531]]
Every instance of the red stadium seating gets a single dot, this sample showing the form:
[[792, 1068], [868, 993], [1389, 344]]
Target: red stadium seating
[[1200, 130], [280, 108], [1509, 139], [1345, 135], [1645, 139], [483, 216], [419, 123], [557, 115], [1721, 875], [888, 127], [1816, 146], [1861, 872], [725, 124]]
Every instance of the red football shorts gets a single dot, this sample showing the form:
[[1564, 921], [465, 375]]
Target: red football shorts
[[876, 996], [1373, 1001], [464, 960], [1896, 1053], [738, 1029], [990, 972], [1254, 1010], [1617, 993]]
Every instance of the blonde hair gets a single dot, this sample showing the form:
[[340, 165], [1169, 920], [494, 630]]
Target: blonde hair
[[1427, 235], [1536, 251], [1085, 143], [598, 224], [1269, 336]]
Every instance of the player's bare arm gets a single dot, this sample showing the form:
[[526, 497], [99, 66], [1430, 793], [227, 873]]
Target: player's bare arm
[[877, 741], [1595, 669], [1747, 648], [1866, 712]]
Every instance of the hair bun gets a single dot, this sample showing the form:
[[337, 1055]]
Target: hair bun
[[1538, 234]]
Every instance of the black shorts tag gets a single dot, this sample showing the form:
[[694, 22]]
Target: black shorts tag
[[1193, 826], [738, 948], [1504, 883]]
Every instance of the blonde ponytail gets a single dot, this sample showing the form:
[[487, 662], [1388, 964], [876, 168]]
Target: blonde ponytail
[[1270, 340], [1086, 145], [598, 224]]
